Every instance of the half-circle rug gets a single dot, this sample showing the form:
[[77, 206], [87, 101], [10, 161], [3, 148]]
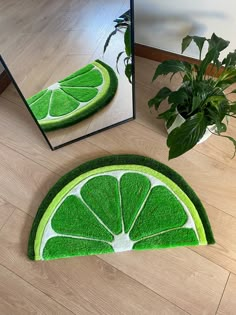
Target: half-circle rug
[[118, 203], [76, 97]]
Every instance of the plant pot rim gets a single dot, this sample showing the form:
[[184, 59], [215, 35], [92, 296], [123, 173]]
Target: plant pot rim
[[212, 125], [180, 120]]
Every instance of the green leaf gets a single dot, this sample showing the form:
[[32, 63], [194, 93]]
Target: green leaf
[[117, 60], [128, 41], [216, 100], [217, 42], [186, 78], [216, 45], [210, 56], [196, 67], [200, 41], [168, 113], [185, 137], [227, 78], [172, 66], [196, 103], [232, 109], [186, 42], [234, 143], [126, 61], [171, 120], [160, 96], [178, 97], [121, 24], [217, 63], [128, 72], [216, 111], [165, 115], [230, 60], [108, 40], [220, 127]]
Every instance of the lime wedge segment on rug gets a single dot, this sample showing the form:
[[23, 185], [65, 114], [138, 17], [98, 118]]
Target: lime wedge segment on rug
[[76, 97], [115, 204]]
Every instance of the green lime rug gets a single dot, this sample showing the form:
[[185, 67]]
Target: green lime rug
[[76, 97], [114, 204]]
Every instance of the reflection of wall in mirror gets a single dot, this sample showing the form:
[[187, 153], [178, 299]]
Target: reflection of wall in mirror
[[163, 24]]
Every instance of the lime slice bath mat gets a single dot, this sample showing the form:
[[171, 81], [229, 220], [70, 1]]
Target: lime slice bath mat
[[115, 204], [76, 97]]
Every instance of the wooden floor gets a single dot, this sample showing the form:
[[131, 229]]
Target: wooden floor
[[177, 281], [182, 281]]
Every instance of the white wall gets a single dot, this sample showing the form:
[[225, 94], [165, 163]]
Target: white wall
[[163, 23]]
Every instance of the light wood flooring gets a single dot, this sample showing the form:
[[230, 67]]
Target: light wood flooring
[[199, 280], [177, 281]]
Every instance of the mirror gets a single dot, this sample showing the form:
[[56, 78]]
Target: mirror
[[72, 64]]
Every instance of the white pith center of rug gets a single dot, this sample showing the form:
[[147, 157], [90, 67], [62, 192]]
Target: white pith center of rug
[[122, 241], [53, 87], [57, 86]]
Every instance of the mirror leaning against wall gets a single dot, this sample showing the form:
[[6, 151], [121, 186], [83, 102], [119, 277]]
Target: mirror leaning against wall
[[71, 63]]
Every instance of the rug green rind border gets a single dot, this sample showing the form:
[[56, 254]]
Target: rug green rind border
[[89, 110], [119, 160]]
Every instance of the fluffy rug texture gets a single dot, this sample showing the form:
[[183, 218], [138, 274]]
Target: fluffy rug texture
[[76, 97], [118, 203]]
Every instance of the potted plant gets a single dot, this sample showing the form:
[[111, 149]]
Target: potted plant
[[199, 107], [124, 22]]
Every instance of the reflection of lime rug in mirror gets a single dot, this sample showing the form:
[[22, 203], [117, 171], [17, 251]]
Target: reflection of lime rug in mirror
[[115, 204], [76, 97]]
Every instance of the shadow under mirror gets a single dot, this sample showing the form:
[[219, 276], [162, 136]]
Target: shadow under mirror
[[73, 64]]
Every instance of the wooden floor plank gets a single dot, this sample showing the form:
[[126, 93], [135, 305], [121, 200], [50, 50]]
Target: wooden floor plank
[[6, 211], [228, 303], [85, 285], [24, 183], [20, 298], [224, 228], [2, 202], [11, 94], [180, 275]]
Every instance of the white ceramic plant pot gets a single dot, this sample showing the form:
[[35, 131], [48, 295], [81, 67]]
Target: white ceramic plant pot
[[180, 120]]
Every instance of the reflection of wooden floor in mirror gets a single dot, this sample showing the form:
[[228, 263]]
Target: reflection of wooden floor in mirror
[[176, 281], [48, 40]]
